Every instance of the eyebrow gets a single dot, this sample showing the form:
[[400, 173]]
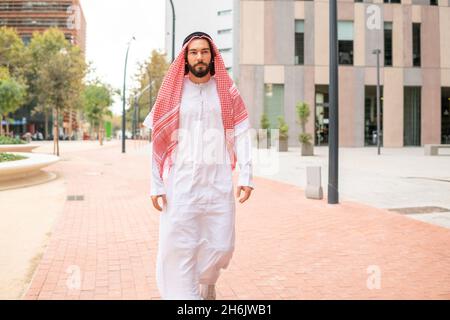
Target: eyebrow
[[199, 49]]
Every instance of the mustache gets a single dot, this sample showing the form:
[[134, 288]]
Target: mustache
[[201, 63]]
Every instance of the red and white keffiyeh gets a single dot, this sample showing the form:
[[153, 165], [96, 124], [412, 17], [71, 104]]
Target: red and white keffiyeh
[[164, 117]]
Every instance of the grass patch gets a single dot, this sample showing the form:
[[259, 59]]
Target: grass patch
[[4, 157]]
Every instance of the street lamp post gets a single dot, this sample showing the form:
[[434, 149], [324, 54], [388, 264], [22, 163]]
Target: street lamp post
[[123, 96], [134, 119], [333, 157], [173, 30], [377, 52]]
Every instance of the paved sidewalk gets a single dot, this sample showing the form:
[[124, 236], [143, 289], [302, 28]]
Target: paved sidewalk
[[287, 247]]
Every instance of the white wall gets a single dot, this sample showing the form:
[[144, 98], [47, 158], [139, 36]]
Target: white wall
[[200, 15]]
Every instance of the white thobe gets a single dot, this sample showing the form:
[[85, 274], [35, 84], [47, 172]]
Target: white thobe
[[196, 236]]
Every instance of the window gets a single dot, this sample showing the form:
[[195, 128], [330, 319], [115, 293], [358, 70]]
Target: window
[[273, 102], [299, 41], [224, 50], [411, 116], [416, 44], [224, 12], [370, 116], [345, 42], [388, 43], [391, 1], [433, 2], [224, 31]]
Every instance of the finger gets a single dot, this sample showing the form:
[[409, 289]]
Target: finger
[[164, 199], [245, 197], [238, 192], [156, 204]]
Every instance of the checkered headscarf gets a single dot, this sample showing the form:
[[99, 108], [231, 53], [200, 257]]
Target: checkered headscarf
[[164, 117]]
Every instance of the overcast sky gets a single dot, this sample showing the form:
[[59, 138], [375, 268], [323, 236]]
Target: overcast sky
[[110, 25]]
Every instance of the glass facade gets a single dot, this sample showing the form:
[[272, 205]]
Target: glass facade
[[322, 116], [412, 116], [370, 115], [445, 115], [273, 102]]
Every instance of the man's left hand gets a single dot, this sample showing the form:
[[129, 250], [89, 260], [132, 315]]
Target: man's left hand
[[247, 193]]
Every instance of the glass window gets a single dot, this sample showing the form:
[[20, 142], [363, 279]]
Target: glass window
[[370, 116], [299, 41], [345, 42], [273, 102], [388, 43], [416, 44], [411, 116], [224, 31], [224, 12]]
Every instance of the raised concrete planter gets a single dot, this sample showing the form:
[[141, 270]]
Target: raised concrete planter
[[433, 149], [11, 170], [17, 147]]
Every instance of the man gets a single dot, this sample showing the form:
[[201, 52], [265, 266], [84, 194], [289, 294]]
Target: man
[[200, 129]]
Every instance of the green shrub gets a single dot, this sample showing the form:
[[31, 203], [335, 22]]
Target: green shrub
[[10, 157], [283, 128], [265, 123], [8, 140], [305, 138]]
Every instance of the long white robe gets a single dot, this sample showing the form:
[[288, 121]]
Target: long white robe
[[197, 226]]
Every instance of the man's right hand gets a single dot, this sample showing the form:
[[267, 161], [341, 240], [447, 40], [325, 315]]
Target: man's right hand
[[155, 201]]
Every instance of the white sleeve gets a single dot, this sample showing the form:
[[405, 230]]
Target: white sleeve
[[148, 122], [243, 148], [157, 184]]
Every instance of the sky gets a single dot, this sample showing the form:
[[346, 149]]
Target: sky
[[110, 26]]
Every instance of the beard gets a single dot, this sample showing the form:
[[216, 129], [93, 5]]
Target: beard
[[199, 72]]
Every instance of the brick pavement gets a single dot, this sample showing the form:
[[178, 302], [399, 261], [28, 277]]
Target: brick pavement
[[287, 246]]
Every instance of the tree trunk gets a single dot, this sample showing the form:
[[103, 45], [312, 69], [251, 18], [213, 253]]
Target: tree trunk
[[1, 125], [46, 124], [7, 125], [70, 123], [54, 131], [100, 134], [57, 130]]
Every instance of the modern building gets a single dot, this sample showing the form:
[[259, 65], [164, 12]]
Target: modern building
[[28, 16], [216, 18], [284, 59]]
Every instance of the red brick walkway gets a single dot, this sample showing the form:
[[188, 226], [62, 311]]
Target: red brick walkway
[[287, 247]]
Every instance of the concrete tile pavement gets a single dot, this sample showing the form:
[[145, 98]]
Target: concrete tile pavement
[[287, 246]]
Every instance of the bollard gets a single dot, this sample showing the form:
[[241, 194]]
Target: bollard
[[313, 183]]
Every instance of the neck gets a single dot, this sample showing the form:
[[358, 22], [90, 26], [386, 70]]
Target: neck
[[199, 80]]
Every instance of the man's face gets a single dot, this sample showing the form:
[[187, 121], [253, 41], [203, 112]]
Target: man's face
[[199, 57]]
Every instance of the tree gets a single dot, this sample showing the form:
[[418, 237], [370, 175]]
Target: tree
[[12, 96], [12, 52], [55, 75], [97, 98], [152, 71]]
